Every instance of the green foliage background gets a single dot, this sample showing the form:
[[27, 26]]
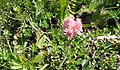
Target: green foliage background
[[31, 34]]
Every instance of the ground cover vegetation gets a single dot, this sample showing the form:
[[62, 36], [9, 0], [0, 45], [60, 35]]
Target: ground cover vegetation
[[32, 37]]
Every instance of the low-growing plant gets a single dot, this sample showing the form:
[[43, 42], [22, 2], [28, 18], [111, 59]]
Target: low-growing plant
[[35, 34]]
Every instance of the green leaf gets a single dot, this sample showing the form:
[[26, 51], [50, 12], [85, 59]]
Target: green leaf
[[16, 67], [42, 39], [33, 24], [39, 57], [63, 5], [85, 64], [44, 67]]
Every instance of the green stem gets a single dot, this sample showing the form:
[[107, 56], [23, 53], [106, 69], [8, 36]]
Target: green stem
[[9, 45], [65, 57]]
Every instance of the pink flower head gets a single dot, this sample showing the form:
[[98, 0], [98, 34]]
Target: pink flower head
[[72, 27], [69, 32], [68, 22], [78, 26]]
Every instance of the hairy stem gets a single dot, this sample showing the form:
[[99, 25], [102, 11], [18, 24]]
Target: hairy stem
[[65, 57]]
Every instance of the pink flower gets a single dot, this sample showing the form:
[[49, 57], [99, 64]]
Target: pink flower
[[69, 32], [72, 27], [78, 26], [68, 22]]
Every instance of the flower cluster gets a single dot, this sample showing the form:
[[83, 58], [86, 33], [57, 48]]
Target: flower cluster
[[72, 27]]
